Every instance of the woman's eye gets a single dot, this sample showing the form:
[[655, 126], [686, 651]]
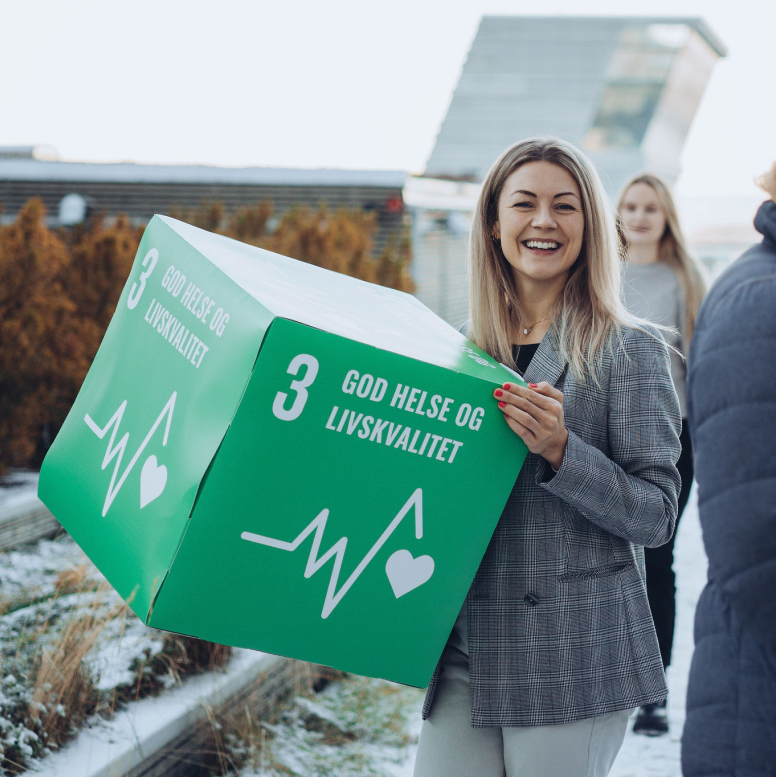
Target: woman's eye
[[523, 205], [565, 206]]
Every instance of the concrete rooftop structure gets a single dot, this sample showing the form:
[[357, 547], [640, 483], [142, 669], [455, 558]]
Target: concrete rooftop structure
[[625, 89]]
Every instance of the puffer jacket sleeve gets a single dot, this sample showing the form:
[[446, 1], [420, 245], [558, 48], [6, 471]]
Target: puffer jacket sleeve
[[632, 494], [732, 395]]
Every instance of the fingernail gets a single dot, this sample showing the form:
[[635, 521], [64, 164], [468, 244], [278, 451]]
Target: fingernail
[[498, 392], [502, 404], [534, 385], [507, 386]]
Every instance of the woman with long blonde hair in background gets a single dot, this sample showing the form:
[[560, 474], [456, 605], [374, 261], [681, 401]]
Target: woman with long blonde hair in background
[[554, 646], [662, 283]]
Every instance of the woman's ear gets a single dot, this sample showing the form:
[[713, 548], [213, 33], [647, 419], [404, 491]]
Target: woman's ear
[[495, 232]]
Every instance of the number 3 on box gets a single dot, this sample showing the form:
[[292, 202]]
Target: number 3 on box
[[298, 386], [136, 291]]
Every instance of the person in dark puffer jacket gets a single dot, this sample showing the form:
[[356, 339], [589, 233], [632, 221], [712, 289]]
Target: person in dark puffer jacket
[[730, 729]]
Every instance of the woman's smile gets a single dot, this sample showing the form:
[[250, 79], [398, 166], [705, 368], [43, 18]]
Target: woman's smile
[[542, 247]]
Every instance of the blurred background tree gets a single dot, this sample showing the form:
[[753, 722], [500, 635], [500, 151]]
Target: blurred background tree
[[339, 240], [42, 354], [59, 290], [101, 258]]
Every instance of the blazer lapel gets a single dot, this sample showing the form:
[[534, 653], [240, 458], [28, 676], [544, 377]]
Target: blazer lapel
[[546, 364]]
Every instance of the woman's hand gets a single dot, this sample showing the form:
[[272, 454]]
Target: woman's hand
[[535, 415]]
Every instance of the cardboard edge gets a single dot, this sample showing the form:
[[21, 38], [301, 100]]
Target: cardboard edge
[[203, 479], [516, 376], [163, 221]]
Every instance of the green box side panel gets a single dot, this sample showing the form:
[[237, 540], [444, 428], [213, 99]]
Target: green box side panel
[[313, 486], [124, 470]]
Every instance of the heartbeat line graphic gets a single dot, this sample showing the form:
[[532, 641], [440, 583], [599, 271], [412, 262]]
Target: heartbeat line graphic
[[337, 551], [117, 451]]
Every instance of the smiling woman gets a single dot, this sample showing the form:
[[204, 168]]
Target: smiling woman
[[540, 227], [555, 646], [546, 190]]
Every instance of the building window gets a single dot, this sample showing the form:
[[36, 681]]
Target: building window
[[635, 78]]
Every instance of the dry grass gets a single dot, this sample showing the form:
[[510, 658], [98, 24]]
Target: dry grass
[[238, 737], [181, 657], [63, 692], [73, 580], [349, 729], [189, 655], [68, 581]]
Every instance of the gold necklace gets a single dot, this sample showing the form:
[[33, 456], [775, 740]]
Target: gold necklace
[[527, 330]]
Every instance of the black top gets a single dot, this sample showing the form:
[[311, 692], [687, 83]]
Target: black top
[[523, 355]]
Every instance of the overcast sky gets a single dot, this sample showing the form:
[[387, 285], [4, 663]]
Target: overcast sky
[[340, 83]]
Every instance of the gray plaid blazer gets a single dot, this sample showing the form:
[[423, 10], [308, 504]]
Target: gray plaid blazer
[[559, 624]]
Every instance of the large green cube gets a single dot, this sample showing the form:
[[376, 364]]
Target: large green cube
[[270, 455]]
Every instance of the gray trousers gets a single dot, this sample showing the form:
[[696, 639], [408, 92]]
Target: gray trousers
[[450, 747]]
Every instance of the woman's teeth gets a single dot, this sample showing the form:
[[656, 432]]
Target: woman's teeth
[[543, 245]]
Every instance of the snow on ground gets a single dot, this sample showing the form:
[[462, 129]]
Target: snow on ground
[[356, 727], [116, 746], [32, 570], [17, 483], [49, 590], [18, 493]]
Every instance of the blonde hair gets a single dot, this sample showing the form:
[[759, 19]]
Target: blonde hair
[[767, 181], [590, 309], [673, 250]]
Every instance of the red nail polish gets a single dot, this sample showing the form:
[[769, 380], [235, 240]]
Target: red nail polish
[[507, 386], [534, 385], [502, 404], [498, 392]]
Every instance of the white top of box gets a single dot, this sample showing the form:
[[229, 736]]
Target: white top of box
[[336, 303]]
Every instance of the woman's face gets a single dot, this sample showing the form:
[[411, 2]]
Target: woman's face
[[642, 215], [540, 223]]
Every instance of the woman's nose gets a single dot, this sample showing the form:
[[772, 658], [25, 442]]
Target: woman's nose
[[543, 218]]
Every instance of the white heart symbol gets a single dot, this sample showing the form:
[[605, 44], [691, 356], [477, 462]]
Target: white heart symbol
[[153, 479], [405, 573]]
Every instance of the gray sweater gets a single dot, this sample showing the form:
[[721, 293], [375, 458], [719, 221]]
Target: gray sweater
[[652, 291]]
